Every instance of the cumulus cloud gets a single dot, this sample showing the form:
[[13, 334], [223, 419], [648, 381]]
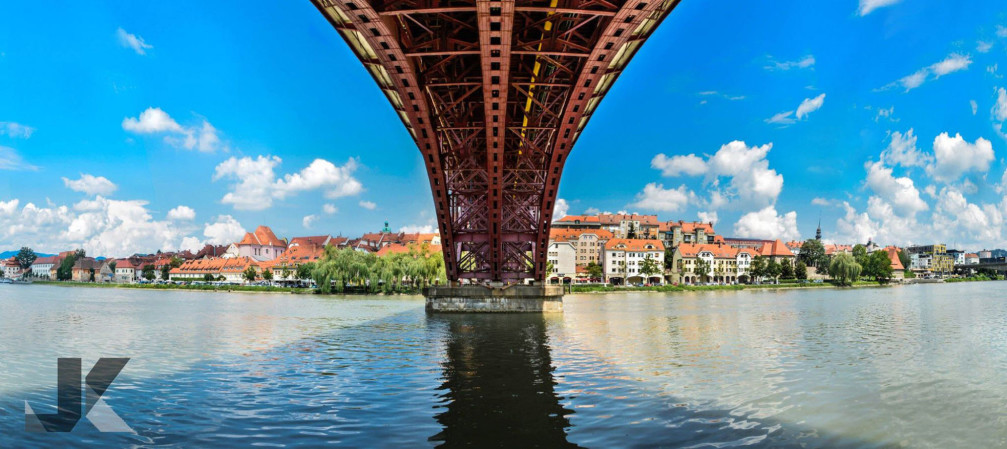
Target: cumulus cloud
[[999, 112], [953, 63], [807, 61], [256, 184], [182, 213], [91, 185], [224, 230], [11, 160], [954, 157], [900, 192], [102, 226], [308, 220], [958, 220], [807, 106], [368, 205], [419, 229], [202, 137], [691, 165], [708, 217], [560, 209], [16, 130], [820, 202], [975, 106], [655, 197], [983, 47], [866, 6], [902, 150], [768, 224], [132, 41], [329, 209]]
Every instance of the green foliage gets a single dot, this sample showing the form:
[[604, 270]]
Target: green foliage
[[669, 258], [813, 254], [92, 275], [65, 270], [111, 266], [786, 270], [339, 268], [250, 274], [304, 270], [176, 262], [148, 272], [165, 272], [860, 254], [285, 273], [905, 259], [773, 269], [25, 257], [267, 275], [702, 269], [594, 270], [758, 268], [878, 266], [649, 267], [908, 274], [208, 277], [844, 269], [631, 233], [800, 270]]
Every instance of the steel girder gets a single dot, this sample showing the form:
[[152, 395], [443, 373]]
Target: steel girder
[[495, 94]]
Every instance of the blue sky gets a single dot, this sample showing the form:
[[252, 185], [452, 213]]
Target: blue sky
[[178, 123]]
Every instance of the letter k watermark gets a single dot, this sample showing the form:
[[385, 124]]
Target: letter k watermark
[[70, 399]]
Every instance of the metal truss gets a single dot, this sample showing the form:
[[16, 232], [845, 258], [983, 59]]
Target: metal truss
[[495, 94]]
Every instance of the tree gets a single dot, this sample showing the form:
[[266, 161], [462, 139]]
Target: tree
[[65, 270], [92, 274], [176, 262], [813, 254], [905, 260], [757, 269], [250, 274], [844, 269], [267, 274], [594, 270], [702, 269], [25, 258], [165, 272], [786, 270], [669, 258], [773, 269], [649, 267], [285, 274], [148, 272], [208, 277], [800, 270], [631, 233], [860, 254], [879, 267], [304, 270], [111, 266]]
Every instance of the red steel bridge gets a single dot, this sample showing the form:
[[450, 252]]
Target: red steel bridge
[[495, 94]]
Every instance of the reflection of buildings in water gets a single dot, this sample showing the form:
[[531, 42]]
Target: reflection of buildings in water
[[498, 388]]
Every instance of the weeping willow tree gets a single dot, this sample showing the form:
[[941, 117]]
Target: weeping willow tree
[[338, 268], [845, 269]]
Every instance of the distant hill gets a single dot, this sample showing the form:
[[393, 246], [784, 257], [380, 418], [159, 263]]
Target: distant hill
[[9, 254]]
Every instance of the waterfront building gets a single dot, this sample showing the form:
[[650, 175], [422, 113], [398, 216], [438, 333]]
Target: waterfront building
[[11, 268], [42, 267], [724, 264], [957, 255], [85, 268], [795, 247], [644, 226], [675, 233], [776, 251], [562, 255], [125, 271], [577, 222], [261, 245], [300, 251], [898, 270], [588, 243], [985, 254], [972, 259], [931, 259], [232, 269], [623, 260], [833, 249]]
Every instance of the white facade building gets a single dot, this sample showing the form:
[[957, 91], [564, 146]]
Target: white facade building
[[623, 261]]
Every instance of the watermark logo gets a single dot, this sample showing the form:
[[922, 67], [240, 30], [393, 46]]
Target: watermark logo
[[71, 405]]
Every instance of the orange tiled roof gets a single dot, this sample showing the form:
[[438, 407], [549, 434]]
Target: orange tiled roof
[[719, 251], [563, 234], [833, 248], [262, 236], [688, 227], [775, 248], [581, 218], [317, 240], [403, 248], [893, 255], [614, 219], [214, 266], [634, 244]]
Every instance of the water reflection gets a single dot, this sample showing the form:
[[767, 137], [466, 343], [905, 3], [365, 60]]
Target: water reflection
[[498, 388]]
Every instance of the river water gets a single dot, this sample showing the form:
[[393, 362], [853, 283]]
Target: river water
[[916, 366]]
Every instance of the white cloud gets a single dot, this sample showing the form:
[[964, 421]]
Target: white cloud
[[958, 220], [885, 113], [810, 105], [16, 130], [91, 185], [655, 197], [807, 106], [596, 211], [182, 213], [983, 47], [975, 106], [11, 160], [329, 209], [953, 63], [902, 151], [308, 220], [225, 230], [713, 93], [821, 202], [900, 192], [803, 63], [368, 205], [419, 229], [999, 112], [133, 41], [691, 165], [1001, 31], [866, 6], [708, 217], [560, 209], [256, 184], [203, 137], [751, 179], [955, 157], [768, 224]]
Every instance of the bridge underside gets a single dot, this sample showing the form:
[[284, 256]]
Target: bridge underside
[[495, 94]]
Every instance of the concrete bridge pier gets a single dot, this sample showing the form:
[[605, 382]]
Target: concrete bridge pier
[[495, 298]]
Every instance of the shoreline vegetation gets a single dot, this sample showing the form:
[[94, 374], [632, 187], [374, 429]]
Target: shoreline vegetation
[[573, 289]]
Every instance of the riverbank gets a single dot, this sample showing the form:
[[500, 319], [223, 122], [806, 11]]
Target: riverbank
[[213, 288], [695, 288]]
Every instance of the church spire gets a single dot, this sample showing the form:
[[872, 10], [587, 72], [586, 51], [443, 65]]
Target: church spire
[[818, 233]]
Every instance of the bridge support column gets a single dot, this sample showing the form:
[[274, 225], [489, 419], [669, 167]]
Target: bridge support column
[[478, 298]]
